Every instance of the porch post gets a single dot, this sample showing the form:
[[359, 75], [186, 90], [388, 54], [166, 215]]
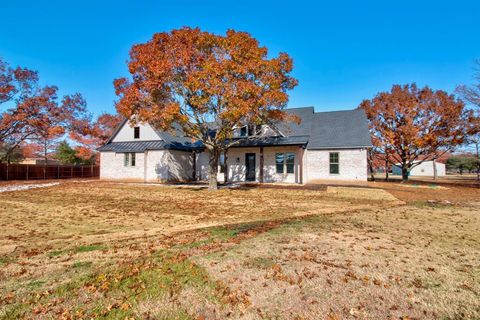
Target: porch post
[[261, 165], [194, 175]]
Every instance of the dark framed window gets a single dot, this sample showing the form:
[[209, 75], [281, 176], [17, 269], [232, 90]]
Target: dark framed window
[[243, 131], [132, 159], [289, 161], [136, 133], [129, 159], [285, 162], [334, 163], [279, 160]]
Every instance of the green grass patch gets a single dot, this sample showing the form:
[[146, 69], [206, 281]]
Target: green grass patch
[[225, 233], [55, 253], [120, 288], [35, 284], [4, 260], [88, 248], [425, 204], [218, 234]]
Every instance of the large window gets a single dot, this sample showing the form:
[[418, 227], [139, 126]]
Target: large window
[[129, 159], [285, 162], [334, 163], [136, 133], [222, 162], [279, 160]]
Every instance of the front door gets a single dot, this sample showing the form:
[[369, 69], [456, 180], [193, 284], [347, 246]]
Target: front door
[[250, 166]]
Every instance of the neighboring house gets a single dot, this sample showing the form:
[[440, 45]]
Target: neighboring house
[[424, 169], [39, 161], [325, 145]]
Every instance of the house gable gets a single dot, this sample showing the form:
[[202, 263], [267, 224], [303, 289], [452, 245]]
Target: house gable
[[126, 133]]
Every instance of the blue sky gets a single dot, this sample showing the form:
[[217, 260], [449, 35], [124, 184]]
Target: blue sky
[[343, 51]]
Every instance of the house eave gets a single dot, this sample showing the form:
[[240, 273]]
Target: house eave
[[339, 147]]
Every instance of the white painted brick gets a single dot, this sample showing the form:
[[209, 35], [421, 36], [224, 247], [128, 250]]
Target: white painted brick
[[353, 165], [112, 167], [151, 166], [170, 165], [147, 133]]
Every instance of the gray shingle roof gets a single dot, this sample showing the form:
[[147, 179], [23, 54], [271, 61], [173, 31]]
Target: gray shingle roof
[[335, 129]]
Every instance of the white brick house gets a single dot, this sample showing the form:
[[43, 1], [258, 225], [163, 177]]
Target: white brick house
[[325, 145]]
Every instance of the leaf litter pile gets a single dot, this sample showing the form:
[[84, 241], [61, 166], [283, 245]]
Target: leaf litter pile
[[119, 251]]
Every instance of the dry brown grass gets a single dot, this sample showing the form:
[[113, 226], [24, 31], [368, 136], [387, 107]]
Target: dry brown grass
[[111, 250], [378, 264]]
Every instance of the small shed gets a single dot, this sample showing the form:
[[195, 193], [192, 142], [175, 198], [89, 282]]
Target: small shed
[[424, 169]]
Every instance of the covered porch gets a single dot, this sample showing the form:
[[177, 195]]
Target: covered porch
[[273, 159]]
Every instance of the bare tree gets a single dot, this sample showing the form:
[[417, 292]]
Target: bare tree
[[471, 95]]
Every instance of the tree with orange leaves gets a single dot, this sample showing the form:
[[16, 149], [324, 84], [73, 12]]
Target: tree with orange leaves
[[33, 113], [92, 134], [17, 89], [54, 120], [207, 84], [416, 125]]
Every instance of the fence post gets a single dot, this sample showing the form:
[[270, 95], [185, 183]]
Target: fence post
[[27, 172], [58, 171], [82, 170], [7, 172], [91, 171]]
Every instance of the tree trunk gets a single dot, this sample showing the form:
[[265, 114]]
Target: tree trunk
[[213, 168], [478, 161], [386, 167], [435, 174], [225, 167], [404, 171], [370, 163], [46, 159]]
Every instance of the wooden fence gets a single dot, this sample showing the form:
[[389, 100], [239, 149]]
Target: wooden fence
[[33, 171]]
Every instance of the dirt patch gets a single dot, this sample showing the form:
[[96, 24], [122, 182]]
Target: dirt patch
[[362, 193], [412, 193]]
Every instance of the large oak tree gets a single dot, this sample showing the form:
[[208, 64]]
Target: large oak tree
[[30, 112], [91, 134], [413, 124], [195, 79]]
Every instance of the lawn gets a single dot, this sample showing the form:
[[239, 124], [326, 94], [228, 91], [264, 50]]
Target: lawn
[[108, 250]]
